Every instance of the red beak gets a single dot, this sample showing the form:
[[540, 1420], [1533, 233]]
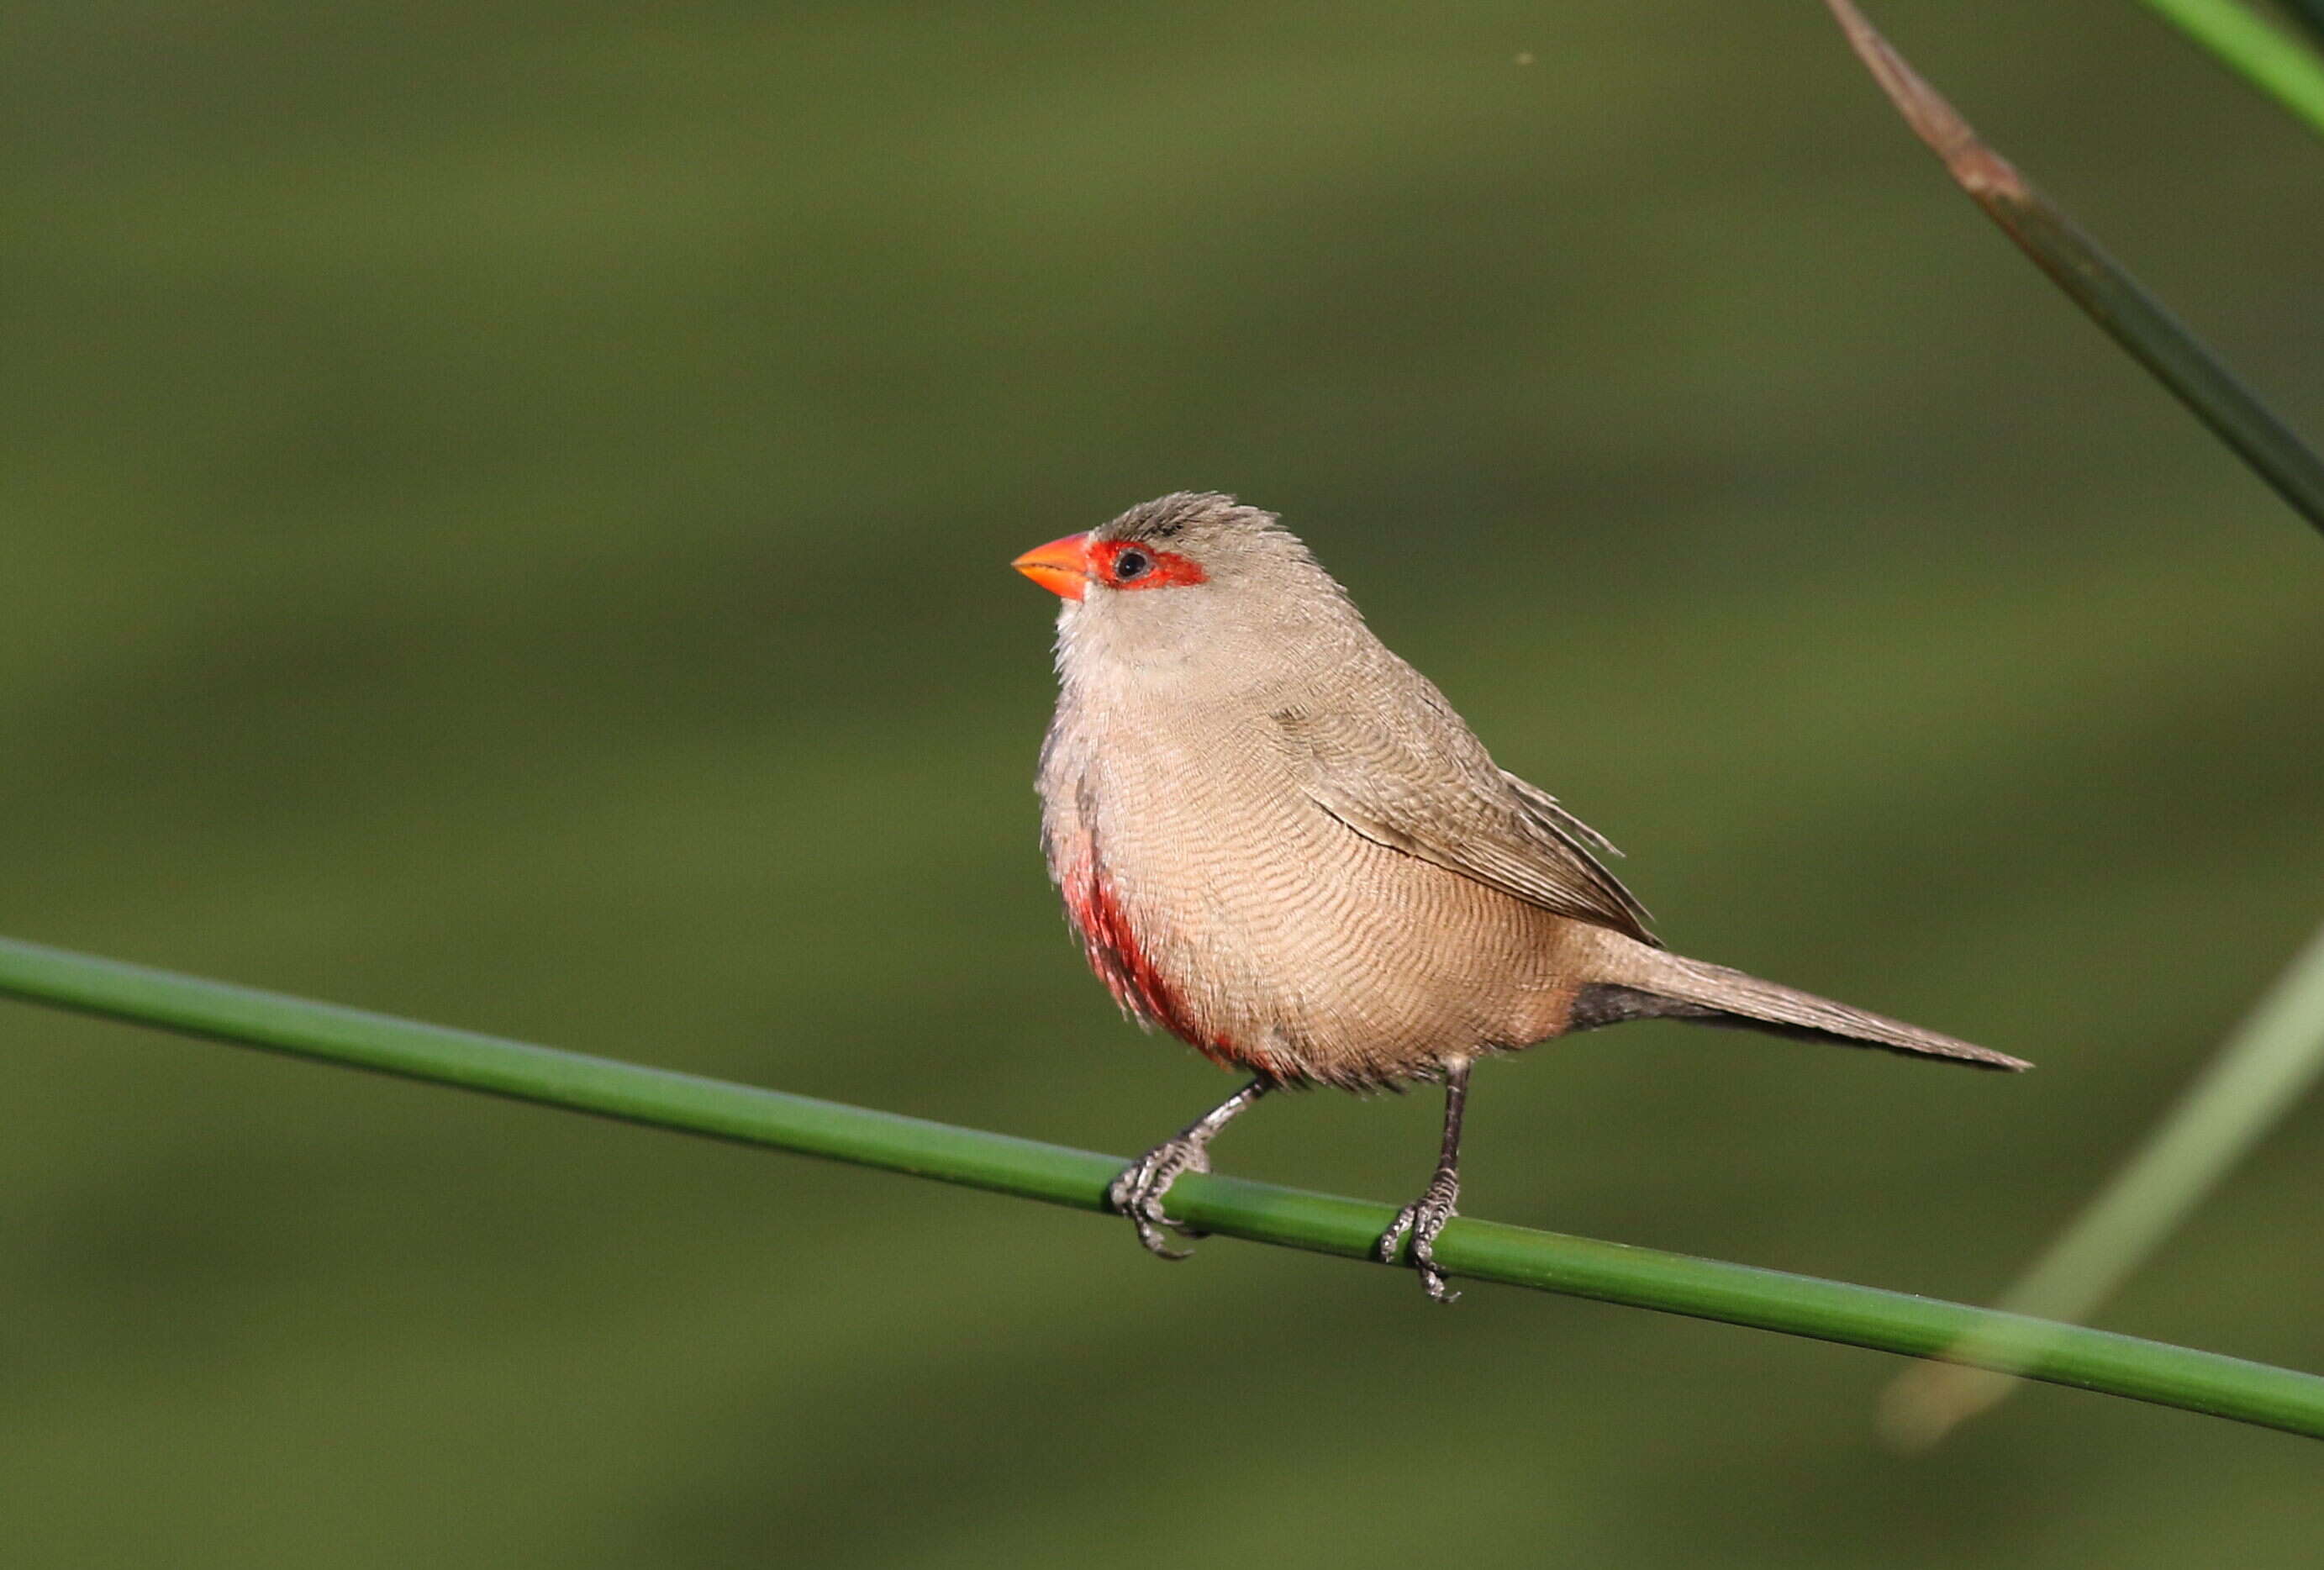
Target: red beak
[[1061, 566]]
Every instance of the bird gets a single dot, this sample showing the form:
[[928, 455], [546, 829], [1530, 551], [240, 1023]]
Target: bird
[[1278, 841]]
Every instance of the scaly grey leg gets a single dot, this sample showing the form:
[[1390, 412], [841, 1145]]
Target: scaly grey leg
[[1137, 1191], [1425, 1216]]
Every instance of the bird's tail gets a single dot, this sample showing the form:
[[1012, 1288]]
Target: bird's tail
[[1658, 983]]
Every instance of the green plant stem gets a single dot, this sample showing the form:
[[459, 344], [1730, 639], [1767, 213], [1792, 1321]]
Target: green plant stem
[[2271, 1061], [2093, 280], [1805, 1306], [2308, 15], [2255, 49]]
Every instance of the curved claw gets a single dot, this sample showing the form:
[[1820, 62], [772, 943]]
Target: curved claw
[[1432, 1281], [1138, 1194], [1150, 1222], [1423, 1218]]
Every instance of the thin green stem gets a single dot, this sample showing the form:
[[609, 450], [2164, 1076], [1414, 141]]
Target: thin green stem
[[2093, 280], [2255, 49], [1805, 1306], [2271, 1061], [2308, 15]]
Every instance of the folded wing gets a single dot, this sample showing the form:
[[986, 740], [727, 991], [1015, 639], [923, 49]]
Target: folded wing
[[1416, 780]]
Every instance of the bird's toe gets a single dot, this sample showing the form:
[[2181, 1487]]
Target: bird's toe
[[1422, 1219], [1391, 1242], [1138, 1194]]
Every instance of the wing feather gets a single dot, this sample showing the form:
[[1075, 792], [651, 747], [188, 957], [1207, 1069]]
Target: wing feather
[[1417, 781]]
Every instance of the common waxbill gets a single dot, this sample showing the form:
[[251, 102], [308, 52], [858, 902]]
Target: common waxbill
[[1277, 841]]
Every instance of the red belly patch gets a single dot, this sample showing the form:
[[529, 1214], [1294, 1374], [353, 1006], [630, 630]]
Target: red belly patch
[[1121, 963], [1115, 954]]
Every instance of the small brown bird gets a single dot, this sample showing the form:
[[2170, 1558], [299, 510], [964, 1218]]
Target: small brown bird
[[1277, 841]]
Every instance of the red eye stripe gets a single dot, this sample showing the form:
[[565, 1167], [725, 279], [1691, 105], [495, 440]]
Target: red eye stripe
[[1163, 568]]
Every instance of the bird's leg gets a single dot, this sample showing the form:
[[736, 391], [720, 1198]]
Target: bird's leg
[[1425, 1216], [1137, 1191]]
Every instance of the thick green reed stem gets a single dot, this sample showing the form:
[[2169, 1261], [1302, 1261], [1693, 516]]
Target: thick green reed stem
[[2121, 1365]]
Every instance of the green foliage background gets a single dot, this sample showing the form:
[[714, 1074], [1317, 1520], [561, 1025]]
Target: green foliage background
[[506, 515]]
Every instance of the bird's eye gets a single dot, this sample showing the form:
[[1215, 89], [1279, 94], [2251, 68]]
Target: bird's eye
[[1131, 563]]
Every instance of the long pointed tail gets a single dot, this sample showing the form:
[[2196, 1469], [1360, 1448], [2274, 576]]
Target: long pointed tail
[[1662, 984]]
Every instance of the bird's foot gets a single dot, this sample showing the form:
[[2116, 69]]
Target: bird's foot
[[1137, 1191], [1423, 1218]]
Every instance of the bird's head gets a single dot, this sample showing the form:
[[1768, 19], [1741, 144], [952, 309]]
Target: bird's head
[[1178, 553], [1188, 539], [1190, 581]]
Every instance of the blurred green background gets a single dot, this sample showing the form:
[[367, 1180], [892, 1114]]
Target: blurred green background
[[507, 515]]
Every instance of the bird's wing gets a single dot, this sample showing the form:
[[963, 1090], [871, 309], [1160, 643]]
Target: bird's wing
[[1551, 814], [1416, 781]]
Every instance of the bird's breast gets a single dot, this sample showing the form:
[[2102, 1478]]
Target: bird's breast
[[1146, 824], [1218, 902]]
